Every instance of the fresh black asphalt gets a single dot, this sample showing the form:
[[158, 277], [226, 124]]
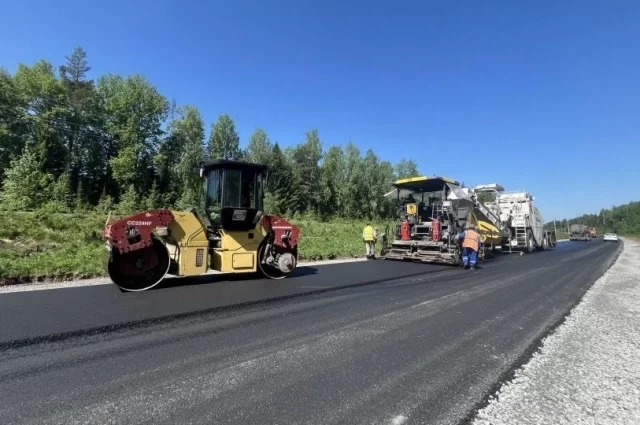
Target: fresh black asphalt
[[422, 349], [77, 309]]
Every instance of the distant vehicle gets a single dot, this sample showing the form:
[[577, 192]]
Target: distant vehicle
[[579, 232], [593, 232], [610, 237]]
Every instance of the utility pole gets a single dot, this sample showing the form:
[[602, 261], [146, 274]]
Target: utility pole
[[554, 227]]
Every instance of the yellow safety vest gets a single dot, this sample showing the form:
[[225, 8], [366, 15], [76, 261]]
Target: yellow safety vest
[[367, 234]]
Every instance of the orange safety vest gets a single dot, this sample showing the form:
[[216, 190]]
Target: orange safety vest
[[471, 240]]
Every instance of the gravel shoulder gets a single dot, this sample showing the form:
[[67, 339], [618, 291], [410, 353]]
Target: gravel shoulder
[[588, 370]]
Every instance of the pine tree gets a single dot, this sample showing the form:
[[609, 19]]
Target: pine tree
[[152, 201], [80, 201], [283, 184], [105, 204], [224, 142], [306, 158], [76, 67], [61, 192], [25, 186], [130, 202]]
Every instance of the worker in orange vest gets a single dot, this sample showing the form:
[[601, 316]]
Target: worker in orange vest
[[471, 242]]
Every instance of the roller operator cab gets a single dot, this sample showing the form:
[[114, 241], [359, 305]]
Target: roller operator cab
[[227, 232]]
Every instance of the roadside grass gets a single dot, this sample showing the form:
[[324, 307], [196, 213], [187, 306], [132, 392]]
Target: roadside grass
[[334, 239], [36, 246], [39, 245]]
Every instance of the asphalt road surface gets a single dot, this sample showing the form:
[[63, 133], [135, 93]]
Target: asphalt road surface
[[428, 348]]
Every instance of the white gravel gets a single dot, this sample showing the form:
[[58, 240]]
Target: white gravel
[[588, 371]]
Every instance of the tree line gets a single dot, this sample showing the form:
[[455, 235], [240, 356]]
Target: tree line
[[622, 219], [71, 143]]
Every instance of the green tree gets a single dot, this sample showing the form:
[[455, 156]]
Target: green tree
[[152, 201], [82, 128], [406, 168], [44, 100], [77, 66], [93, 143], [306, 158], [354, 191], [260, 148], [105, 204], [80, 201], [134, 113], [332, 181], [283, 188], [130, 201], [224, 142], [61, 191], [190, 132], [25, 187], [13, 123]]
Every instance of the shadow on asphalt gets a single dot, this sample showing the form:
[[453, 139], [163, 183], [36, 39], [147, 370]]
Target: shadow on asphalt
[[173, 282], [300, 271]]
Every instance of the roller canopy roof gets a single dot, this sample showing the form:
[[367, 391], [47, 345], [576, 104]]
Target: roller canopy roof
[[227, 163]]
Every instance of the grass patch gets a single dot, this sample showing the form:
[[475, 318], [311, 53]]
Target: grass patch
[[334, 239], [37, 245]]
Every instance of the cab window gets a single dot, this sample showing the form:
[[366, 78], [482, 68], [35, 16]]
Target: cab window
[[240, 189], [214, 190]]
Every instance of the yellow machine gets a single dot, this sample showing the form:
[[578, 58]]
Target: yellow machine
[[491, 235], [432, 213], [228, 233]]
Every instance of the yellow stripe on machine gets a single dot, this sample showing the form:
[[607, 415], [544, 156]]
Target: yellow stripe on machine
[[423, 179], [489, 233]]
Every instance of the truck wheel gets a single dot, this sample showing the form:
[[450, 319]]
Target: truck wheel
[[530, 244]]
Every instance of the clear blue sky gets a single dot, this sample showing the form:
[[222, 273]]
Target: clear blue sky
[[542, 95]]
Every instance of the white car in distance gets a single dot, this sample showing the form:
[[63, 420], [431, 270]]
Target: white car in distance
[[610, 237]]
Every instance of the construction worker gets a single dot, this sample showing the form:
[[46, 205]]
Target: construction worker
[[470, 246], [369, 240]]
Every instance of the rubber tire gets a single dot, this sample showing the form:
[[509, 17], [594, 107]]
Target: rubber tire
[[531, 246]]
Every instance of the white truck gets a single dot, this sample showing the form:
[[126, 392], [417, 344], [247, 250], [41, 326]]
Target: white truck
[[518, 212]]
